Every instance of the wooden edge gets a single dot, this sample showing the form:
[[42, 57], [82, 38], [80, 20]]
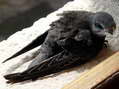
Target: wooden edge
[[97, 74], [112, 82]]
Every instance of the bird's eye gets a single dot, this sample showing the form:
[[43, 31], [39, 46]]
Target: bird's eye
[[99, 26]]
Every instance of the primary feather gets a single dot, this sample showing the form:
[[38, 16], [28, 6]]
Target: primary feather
[[37, 42]]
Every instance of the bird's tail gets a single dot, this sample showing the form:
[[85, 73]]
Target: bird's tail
[[37, 42]]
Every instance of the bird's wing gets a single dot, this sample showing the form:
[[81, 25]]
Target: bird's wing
[[37, 42], [56, 63], [49, 66]]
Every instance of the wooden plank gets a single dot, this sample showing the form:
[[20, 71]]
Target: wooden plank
[[112, 82], [97, 74]]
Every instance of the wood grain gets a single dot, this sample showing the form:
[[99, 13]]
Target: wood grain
[[97, 74]]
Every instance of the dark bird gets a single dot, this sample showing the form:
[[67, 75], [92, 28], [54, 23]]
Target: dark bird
[[77, 37]]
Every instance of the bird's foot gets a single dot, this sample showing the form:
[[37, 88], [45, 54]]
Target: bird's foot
[[106, 44]]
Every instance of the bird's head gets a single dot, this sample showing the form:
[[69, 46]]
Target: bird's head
[[102, 23]]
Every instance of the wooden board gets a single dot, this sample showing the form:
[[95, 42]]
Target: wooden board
[[97, 74], [112, 82]]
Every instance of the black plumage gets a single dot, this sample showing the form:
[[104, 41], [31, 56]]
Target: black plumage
[[76, 37]]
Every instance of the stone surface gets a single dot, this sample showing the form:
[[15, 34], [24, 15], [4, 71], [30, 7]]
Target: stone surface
[[22, 38]]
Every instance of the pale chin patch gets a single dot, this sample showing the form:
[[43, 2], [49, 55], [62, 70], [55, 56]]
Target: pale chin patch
[[100, 33]]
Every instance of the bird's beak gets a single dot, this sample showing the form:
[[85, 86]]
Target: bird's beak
[[111, 30]]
